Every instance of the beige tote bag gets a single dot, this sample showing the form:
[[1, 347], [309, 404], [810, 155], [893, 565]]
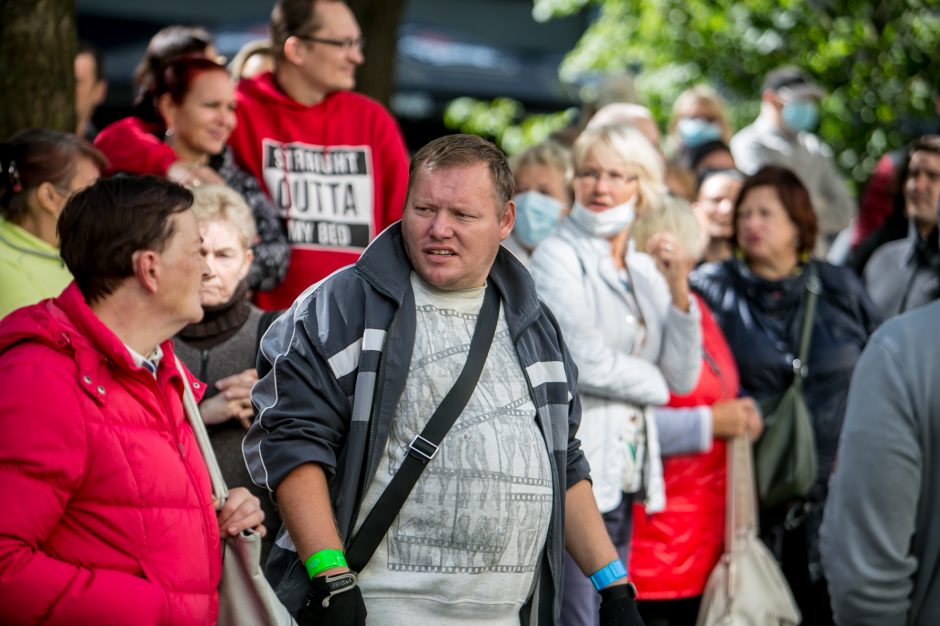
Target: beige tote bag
[[245, 596], [746, 588]]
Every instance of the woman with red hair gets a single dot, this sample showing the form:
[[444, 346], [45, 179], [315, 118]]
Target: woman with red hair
[[193, 110]]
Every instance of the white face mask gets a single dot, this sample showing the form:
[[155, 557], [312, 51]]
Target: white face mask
[[607, 223]]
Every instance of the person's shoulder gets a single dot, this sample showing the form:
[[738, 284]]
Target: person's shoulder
[[911, 336], [360, 103], [889, 255]]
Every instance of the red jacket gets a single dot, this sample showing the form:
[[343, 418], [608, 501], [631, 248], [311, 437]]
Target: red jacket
[[673, 552], [336, 171], [108, 515]]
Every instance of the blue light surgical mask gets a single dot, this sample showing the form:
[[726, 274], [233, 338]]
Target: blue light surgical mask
[[695, 131], [800, 116], [536, 217]]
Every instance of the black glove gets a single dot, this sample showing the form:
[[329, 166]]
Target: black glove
[[618, 606], [343, 600]]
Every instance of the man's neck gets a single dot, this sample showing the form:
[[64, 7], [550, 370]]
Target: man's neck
[[288, 79], [923, 228], [132, 318]]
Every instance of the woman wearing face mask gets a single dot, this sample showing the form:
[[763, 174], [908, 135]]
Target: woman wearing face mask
[[543, 195], [630, 324], [39, 171], [194, 101], [221, 349], [698, 116]]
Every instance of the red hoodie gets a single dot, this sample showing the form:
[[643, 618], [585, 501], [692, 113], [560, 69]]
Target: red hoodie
[[336, 171]]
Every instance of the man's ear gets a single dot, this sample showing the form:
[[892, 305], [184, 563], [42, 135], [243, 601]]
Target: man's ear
[[508, 220], [294, 50], [146, 265], [101, 90]]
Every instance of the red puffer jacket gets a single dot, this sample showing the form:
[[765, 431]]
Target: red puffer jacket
[[673, 552], [108, 515]]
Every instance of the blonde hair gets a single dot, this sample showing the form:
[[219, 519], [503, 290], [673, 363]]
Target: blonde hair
[[550, 154], [223, 204], [704, 95], [674, 217], [635, 153], [258, 47]]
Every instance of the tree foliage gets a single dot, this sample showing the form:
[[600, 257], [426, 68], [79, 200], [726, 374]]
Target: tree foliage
[[877, 59]]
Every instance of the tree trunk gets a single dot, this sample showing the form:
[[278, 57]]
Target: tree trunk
[[37, 72], [378, 20]]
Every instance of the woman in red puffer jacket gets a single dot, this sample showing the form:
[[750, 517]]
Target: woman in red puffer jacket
[[675, 550]]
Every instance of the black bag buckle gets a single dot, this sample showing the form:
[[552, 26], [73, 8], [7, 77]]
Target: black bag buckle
[[422, 449]]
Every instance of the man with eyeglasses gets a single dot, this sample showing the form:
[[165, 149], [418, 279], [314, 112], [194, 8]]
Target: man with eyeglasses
[[333, 162]]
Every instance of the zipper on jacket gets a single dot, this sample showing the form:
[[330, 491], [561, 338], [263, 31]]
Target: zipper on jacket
[[204, 365], [168, 416], [552, 466], [376, 401]]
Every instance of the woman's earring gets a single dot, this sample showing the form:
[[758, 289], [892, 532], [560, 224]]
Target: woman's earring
[[168, 134]]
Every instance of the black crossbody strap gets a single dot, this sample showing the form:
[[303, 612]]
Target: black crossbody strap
[[813, 289], [424, 447]]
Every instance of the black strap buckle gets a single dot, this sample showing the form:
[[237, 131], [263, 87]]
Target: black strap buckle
[[422, 449]]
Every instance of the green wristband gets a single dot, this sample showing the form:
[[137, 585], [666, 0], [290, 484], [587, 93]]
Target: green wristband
[[324, 560]]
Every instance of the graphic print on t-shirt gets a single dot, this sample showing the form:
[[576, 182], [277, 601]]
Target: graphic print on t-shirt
[[324, 193]]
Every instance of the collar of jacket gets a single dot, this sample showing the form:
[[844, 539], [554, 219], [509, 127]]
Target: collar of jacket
[[67, 324], [385, 265], [769, 295]]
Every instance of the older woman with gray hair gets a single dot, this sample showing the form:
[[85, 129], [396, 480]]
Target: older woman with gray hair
[[222, 348], [630, 323]]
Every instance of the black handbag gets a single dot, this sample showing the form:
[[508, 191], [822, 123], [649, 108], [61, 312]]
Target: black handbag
[[785, 455]]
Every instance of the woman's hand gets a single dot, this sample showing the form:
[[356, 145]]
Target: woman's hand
[[672, 260], [193, 175], [241, 512], [232, 401], [736, 417]]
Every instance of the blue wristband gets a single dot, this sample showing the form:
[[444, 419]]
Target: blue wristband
[[614, 570]]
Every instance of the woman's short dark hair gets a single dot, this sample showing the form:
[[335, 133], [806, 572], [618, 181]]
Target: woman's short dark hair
[[36, 156], [793, 196], [103, 225]]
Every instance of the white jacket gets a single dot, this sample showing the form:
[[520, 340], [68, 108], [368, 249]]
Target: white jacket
[[575, 275]]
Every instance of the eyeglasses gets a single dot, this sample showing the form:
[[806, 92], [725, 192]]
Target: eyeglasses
[[346, 44], [614, 178]]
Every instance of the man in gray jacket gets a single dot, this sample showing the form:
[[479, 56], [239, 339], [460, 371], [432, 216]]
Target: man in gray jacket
[[879, 540], [357, 366]]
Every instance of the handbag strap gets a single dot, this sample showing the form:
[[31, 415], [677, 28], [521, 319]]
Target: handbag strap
[[741, 499], [219, 489], [813, 290], [425, 446]]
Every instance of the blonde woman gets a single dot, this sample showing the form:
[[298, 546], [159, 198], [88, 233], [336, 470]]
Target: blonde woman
[[542, 174], [630, 324]]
